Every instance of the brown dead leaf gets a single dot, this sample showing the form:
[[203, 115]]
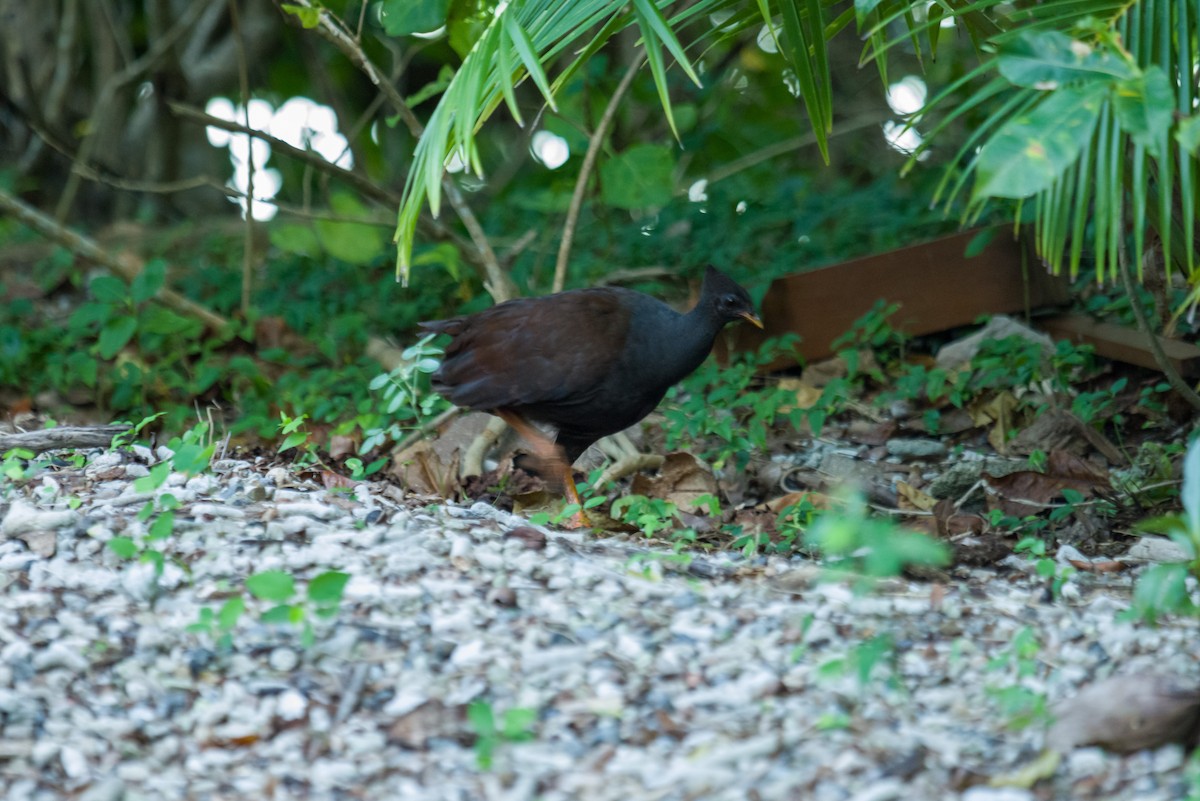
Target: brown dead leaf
[[953, 524], [1026, 492], [819, 374], [431, 720], [912, 498], [332, 480], [818, 499], [1107, 566], [868, 432], [341, 446], [1128, 713], [420, 469], [806, 394], [534, 539], [682, 480]]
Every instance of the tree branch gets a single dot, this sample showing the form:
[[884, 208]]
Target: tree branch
[[124, 265], [585, 172]]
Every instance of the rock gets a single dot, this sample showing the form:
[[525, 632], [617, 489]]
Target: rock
[[961, 351], [1159, 550], [23, 519]]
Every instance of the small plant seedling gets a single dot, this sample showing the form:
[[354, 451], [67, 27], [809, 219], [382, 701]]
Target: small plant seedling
[[514, 726], [1162, 589], [848, 538], [322, 599]]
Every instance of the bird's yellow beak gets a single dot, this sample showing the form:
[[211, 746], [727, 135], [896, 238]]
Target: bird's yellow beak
[[752, 318]]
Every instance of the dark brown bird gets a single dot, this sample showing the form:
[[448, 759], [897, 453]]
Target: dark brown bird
[[588, 362]]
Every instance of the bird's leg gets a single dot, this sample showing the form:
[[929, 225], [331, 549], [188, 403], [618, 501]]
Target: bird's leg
[[555, 460]]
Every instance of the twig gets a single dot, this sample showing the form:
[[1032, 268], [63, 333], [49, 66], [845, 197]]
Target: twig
[[244, 89], [357, 180], [422, 431], [787, 145], [1173, 378], [585, 172], [628, 465], [472, 462], [125, 265]]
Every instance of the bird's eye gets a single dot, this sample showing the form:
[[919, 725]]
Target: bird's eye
[[729, 302]]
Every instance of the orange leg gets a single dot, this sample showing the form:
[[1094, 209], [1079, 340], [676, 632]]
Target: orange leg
[[554, 459]]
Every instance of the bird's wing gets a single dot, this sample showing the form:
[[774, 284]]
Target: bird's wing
[[530, 351]]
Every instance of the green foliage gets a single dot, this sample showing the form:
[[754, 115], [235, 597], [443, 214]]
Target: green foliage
[[729, 406], [322, 599], [192, 452], [1163, 589], [514, 726], [860, 661], [408, 400], [849, 539], [1019, 705]]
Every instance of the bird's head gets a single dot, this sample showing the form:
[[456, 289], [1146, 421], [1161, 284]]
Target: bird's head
[[727, 298]]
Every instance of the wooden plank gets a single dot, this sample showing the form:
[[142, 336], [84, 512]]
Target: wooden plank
[[1123, 344], [936, 285]]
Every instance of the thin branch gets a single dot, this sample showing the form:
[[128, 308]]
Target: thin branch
[[1173, 378], [125, 265], [788, 145], [357, 180], [239, 46], [585, 173], [497, 282]]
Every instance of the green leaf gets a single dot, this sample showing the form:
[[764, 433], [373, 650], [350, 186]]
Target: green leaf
[[309, 16], [327, 588], [298, 239], [1188, 134], [162, 527], [158, 476], [1144, 108], [517, 722], [1162, 589], [1190, 492], [109, 289], [405, 17], [864, 7], [192, 457], [354, 243], [1048, 59], [529, 57], [1033, 149], [482, 718], [115, 334], [123, 547], [147, 283], [271, 585], [230, 612], [278, 614], [639, 178]]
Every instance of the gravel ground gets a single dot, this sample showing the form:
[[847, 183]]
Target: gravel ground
[[648, 678]]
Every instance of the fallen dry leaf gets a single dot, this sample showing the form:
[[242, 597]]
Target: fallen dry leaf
[[806, 394], [1027, 492], [1128, 713], [912, 498], [682, 480]]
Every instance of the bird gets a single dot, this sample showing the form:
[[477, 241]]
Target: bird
[[586, 362]]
